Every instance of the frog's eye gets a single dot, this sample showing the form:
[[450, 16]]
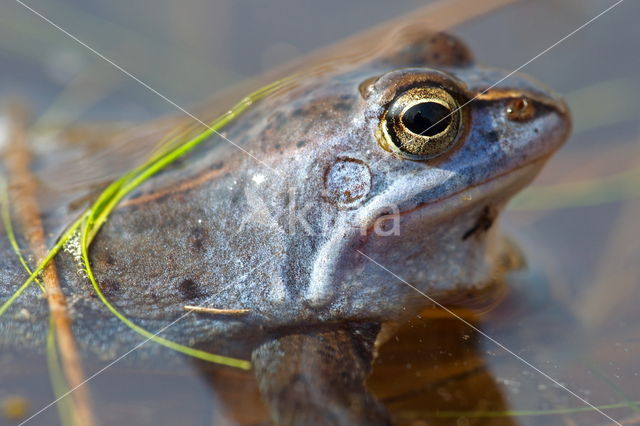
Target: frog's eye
[[421, 123]]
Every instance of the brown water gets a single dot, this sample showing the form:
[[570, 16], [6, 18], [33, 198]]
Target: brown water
[[573, 313]]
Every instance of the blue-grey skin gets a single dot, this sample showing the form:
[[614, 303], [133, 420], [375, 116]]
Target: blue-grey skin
[[280, 232]]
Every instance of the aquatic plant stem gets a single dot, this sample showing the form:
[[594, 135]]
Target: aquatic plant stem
[[23, 188]]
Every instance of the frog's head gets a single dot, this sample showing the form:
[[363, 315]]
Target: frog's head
[[431, 156]]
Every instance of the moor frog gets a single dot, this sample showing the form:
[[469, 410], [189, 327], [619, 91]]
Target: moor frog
[[385, 165]]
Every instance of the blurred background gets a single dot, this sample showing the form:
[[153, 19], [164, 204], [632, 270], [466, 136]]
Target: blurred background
[[573, 312]]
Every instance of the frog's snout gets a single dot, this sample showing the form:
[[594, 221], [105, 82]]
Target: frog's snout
[[550, 119], [545, 117], [562, 109], [533, 118]]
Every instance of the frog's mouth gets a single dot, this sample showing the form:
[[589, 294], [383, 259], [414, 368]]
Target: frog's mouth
[[497, 189]]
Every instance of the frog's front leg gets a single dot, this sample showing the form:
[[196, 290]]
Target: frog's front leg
[[318, 377]]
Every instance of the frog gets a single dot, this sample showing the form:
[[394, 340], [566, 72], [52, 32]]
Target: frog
[[354, 198]]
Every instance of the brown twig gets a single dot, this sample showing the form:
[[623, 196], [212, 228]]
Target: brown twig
[[215, 311], [23, 190]]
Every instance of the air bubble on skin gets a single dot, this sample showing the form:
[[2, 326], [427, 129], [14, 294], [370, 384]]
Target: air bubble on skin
[[258, 179], [73, 248]]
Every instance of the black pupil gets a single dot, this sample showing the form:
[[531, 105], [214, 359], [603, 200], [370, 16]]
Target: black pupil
[[427, 118]]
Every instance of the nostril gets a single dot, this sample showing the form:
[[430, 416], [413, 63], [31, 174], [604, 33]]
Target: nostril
[[520, 109]]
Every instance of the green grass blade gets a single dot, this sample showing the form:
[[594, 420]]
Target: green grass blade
[[8, 226]]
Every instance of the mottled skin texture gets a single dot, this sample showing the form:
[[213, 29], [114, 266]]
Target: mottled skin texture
[[282, 238]]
